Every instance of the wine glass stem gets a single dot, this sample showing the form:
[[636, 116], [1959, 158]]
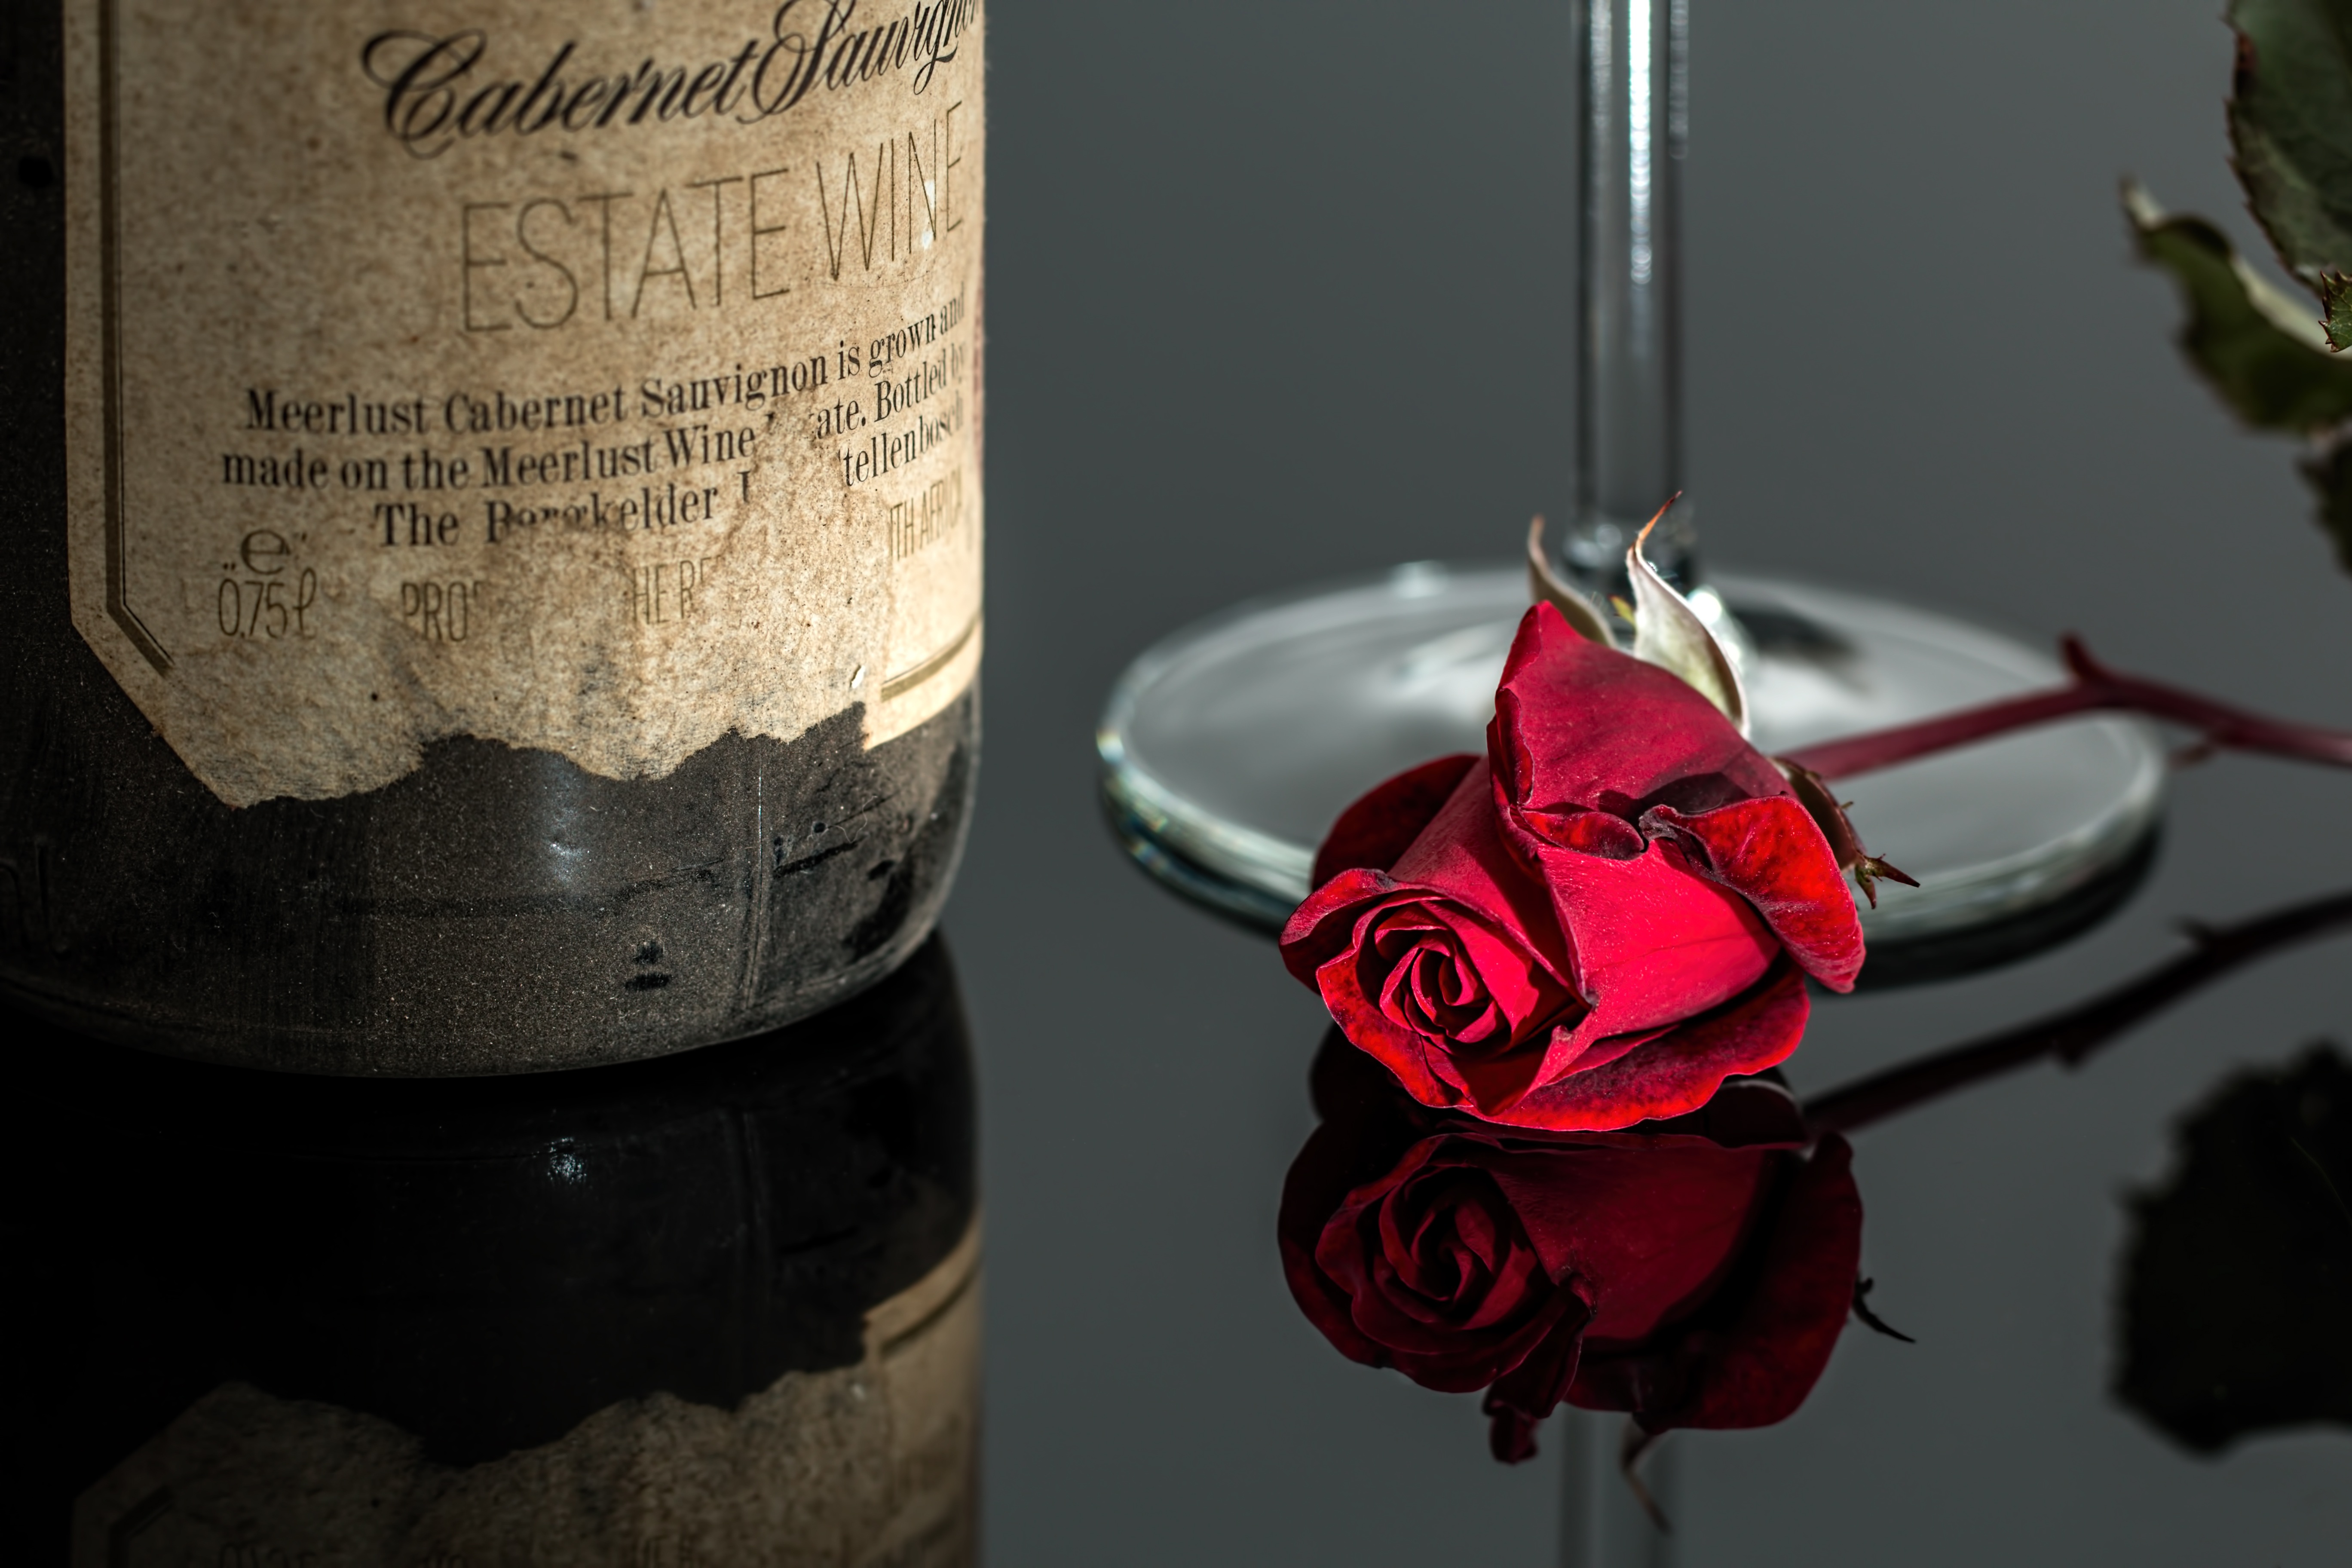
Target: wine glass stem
[[1634, 55]]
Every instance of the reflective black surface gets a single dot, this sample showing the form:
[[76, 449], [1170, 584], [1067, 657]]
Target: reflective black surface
[[489, 1266]]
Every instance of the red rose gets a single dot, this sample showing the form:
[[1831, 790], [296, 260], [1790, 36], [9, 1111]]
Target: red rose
[[1694, 1274], [1595, 924]]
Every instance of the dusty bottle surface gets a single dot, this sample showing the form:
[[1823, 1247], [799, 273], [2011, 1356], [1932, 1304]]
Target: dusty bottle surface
[[498, 492], [717, 1308]]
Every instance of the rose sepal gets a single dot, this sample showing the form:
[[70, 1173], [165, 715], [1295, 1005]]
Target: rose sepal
[[1671, 634]]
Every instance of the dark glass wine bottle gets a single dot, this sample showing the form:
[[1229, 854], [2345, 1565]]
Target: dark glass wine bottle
[[719, 1308], [497, 516]]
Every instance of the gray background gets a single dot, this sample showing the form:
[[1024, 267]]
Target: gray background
[[1281, 290]]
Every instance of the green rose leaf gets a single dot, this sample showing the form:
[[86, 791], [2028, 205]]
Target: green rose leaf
[[2335, 298], [2329, 473], [2291, 127], [2259, 349]]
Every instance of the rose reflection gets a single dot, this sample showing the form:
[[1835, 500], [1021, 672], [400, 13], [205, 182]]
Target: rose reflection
[[1695, 1272]]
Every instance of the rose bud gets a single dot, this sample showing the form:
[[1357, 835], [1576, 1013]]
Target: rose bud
[[1694, 1274], [1595, 924], [1450, 967]]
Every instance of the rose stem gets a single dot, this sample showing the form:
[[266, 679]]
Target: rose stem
[[2074, 1034], [2096, 689]]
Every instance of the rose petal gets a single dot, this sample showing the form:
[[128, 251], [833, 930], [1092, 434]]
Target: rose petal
[[1459, 855], [1750, 1360], [1532, 1390], [1443, 1054], [1780, 1345], [1450, 970], [1341, 1263], [1649, 1232], [1650, 942], [1377, 828], [1679, 1070], [1744, 1113], [1588, 832], [1580, 726], [1466, 1374], [1336, 1159], [1772, 854]]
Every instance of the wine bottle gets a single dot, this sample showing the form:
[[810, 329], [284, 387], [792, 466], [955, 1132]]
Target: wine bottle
[[496, 490], [717, 1308]]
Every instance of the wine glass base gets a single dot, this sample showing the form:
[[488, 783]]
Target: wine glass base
[[1228, 748]]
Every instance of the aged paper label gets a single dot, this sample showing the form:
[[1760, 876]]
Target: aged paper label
[[866, 1466], [594, 376]]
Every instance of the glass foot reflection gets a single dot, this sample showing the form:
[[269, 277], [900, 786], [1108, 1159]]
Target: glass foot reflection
[[1228, 747]]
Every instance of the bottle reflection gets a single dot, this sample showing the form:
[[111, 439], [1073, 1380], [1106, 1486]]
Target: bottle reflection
[[701, 1309], [1696, 1273]]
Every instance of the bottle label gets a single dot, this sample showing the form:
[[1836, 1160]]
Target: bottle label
[[592, 375], [871, 1464]]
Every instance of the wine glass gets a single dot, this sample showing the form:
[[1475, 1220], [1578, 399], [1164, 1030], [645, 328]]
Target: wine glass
[[1228, 748]]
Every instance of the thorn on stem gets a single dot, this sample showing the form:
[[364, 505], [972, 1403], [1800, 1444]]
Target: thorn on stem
[[1861, 1289], [2078, 660]]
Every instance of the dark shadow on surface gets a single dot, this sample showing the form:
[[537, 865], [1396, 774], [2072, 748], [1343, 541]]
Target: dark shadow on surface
[[2234, 1306]]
